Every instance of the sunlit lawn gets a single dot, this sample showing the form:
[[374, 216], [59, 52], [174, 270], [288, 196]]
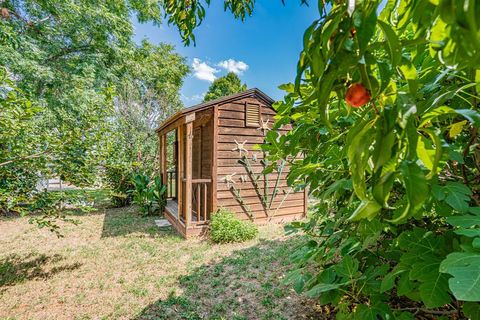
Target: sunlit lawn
[[118, 265]]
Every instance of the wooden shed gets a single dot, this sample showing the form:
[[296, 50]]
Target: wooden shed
[[209, 158]]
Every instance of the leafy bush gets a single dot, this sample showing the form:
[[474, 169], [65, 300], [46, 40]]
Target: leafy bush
[[149, 195], [225, 227], [390, 139], [119, 179]]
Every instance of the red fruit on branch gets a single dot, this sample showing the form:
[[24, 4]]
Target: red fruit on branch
[[353, 32], [357, 95]]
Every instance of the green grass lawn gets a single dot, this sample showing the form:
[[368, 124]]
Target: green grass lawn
[[118, 265]]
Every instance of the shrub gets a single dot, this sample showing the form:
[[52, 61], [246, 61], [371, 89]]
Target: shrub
[[149, 195], [225, 228], [398, 217], [119, 178]]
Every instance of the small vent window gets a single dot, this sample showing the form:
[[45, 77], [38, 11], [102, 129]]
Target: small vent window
[[252, 115]]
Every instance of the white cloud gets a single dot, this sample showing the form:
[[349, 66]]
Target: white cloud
[[234, 66], [203, 71]]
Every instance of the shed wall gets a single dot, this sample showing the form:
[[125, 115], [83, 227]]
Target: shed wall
[[231, 128]]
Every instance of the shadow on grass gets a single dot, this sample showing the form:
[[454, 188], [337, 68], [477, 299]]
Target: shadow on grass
[[245, 285], [120, 222], [18, 268]]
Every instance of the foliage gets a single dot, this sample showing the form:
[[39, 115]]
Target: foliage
[[187, 15], [398, 180], [225, 86], [147, 95], [18, 143], [89, 95], [265, 195], [22, 159], [119, 180], [225, 227], [149, 195]]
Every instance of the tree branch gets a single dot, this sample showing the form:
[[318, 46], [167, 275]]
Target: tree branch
[[65, 51], [29, 23], [428, 311], [36, 155]]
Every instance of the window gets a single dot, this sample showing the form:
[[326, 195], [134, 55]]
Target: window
[[252, 115]]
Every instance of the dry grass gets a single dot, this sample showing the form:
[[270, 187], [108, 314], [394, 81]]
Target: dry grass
[[119, 265]]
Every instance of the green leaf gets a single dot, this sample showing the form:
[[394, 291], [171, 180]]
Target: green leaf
[[476, 243], [471, 115], [438, 35], [347, 268], [456, 128], [405, 286], [438, 152], [393, 45], [288, 87], [365, 22], [297, 278], [438, 192], [322, 287], [468, 232], [410, 74], [389, 280], [379, 310], [465, 269], [465, 221], [358, 143], [384, 142], [370, 229], [426, 155], [434, 289], [423, 269], [477, 80], [457, 196], [419, 241], [416, 188], [435, 113], [472, 310], [381, 190], [367, 209]]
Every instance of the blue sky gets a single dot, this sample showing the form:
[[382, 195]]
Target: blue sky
[[263, 50]]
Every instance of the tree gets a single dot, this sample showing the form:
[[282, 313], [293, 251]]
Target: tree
[[67, 58], [225, 86], [395, 121], [385, 109], [147, 95], [76, 65]]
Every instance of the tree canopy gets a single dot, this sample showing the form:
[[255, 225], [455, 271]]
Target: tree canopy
[[83, 91], [224, 86]]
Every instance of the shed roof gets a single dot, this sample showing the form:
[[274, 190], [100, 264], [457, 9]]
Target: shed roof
[[254, 92]]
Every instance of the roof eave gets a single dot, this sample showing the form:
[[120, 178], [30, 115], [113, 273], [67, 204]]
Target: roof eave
[[208, 104]]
